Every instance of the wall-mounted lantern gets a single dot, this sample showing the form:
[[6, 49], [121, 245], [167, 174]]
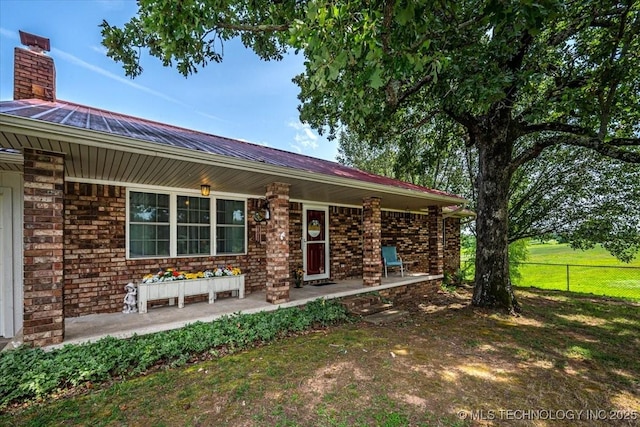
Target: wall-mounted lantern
[[263, 214]]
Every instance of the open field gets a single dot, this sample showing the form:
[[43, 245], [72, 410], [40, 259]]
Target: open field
[[560, 253], [441, 365], [590, 275]]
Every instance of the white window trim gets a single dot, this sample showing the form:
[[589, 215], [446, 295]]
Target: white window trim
[[173, 221]]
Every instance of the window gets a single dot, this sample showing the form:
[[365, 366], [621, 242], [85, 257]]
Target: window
[[230, 226], [194, 226], [171, 224], [148, 225]]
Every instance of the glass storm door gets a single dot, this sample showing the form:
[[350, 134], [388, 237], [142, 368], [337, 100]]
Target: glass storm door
[[315, 243]]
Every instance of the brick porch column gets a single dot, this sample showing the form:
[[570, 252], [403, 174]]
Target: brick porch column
[[371, 258], [436, 252], [451, 245], [43, 247], [277, 235]]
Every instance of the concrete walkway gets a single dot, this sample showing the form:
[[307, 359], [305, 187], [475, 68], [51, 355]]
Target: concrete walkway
[[120, 325]]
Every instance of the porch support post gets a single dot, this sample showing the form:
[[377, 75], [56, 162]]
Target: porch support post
[[451, 245], [277, 235], [371, 258], [43, 247], [436, 251]]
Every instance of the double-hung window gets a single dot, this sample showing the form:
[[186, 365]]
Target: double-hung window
[[194, 226], [171, 224], [230, 226], [149, 225]]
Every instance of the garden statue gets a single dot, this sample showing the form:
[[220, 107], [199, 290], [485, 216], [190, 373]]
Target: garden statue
[[130, 303]]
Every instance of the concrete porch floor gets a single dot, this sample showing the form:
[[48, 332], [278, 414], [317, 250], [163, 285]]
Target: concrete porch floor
[[120, 325]]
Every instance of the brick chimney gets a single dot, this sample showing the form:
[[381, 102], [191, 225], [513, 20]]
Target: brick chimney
[[34, 74]]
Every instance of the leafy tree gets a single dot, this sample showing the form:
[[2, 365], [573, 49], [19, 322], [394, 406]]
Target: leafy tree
[[568, 193], [581, 196], [520, 76], [433, 155]]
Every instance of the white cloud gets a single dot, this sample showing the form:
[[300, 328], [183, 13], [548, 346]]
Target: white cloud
[[305, 138], [210, 116], [112, 4], [8, 33], [100, 49], [77, 61]]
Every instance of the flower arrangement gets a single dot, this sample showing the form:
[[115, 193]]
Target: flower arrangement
[[298, 275], [171, 274], [223, 271]]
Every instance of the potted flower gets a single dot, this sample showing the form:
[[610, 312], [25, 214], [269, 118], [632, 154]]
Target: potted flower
[[298, 276]]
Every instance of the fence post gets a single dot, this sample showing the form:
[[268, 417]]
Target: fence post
[[567, 277]]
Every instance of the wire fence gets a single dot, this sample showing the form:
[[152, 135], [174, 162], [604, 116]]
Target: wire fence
[[613, 281]]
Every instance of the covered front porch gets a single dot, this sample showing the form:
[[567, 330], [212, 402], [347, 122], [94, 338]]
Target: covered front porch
[[89, 328], [85, 230]]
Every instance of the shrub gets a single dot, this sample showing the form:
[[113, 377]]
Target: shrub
[[31, 373]]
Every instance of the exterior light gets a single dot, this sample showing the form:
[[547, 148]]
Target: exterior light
[[205, 190], [263, 214]]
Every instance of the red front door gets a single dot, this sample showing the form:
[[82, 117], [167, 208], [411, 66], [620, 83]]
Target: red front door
[[315, 238]]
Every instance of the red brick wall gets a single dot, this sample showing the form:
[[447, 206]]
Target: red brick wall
[[371, 227], [409, 233], [345, 225], [94, 240], [295, 237], [253, 264], [96, 269], [34, 75], [412, 291], [436, 256], [43, 248], [277, 256], [451, 245]]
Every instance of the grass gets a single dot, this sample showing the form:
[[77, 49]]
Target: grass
[[441, 365], [598, 273]]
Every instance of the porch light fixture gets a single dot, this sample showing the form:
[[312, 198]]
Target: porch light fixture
[[263, 213], [205, 190]]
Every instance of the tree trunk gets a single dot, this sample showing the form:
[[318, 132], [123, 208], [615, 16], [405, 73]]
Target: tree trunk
[[492, 284]]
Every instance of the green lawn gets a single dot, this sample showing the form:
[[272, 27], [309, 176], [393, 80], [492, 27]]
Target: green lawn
[[594, 271], [445, 363]]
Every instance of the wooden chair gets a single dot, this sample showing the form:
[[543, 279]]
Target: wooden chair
[[390, 258]]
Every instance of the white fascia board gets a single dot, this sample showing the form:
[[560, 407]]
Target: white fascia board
[[12, 158]]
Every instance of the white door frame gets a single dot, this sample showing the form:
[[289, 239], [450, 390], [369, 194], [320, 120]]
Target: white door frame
[[6, 263], [327, 262]]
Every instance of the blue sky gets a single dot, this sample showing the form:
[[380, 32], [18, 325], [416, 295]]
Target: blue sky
[[242, 98]]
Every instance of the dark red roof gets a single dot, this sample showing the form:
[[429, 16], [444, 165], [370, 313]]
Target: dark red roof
[[83, 117]]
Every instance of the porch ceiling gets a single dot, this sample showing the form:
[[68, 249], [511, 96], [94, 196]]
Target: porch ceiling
[[102, 158]]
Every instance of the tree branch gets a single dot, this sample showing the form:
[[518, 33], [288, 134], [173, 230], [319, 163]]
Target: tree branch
[[606, 148], [415, 88], [610, 148], [557, 127], [427, 118], [261, 28]]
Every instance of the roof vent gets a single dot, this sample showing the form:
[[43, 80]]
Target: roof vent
[[35, 43]]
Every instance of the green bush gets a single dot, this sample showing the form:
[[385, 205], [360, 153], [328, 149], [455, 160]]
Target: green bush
[[31, 373]]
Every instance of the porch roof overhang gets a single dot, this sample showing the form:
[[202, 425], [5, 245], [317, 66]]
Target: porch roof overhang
[[114, 158]]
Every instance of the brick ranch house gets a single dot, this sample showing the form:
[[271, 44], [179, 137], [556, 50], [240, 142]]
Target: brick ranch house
[[91, 200]]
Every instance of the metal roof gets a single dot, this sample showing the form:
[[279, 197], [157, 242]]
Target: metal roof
[[133, 132]]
